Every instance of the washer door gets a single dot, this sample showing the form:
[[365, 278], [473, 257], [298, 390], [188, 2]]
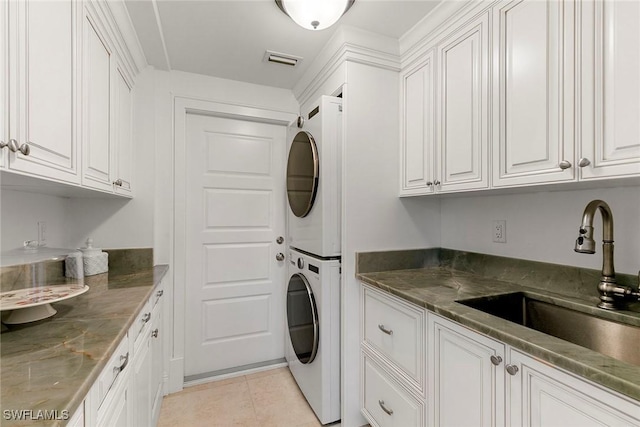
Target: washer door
[[302, 318], [302, 174]]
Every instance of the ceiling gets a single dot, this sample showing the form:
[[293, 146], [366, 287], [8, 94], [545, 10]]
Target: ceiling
[[228, 39]]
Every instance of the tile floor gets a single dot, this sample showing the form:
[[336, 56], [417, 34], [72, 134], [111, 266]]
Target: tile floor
[[268, 398]]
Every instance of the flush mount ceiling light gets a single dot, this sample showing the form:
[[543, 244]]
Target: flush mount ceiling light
[[315, 14]]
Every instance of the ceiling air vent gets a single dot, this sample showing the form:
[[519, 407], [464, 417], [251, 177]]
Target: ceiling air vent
[[282, 58]]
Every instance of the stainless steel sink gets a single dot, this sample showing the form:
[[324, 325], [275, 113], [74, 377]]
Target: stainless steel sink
[[608, 337]]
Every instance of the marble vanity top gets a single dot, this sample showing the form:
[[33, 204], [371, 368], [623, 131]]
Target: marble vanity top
[[437, 286], [52, 364]]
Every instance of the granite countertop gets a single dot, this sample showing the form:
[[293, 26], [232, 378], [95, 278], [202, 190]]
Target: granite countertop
[[437, 288], [52, 364]]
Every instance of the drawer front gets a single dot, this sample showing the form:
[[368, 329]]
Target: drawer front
[[118, 362], [385, 402], [142, 320], [396, 330]]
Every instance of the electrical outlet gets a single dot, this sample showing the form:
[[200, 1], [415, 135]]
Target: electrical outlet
[[42, 233], [500, 231]]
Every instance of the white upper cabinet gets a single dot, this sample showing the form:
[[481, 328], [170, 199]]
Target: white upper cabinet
[[462, 108], [533, 98], [42, 75], [417, 128], [123, 133], [610, 89], [98, 140]]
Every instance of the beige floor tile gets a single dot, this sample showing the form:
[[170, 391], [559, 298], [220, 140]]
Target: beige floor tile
[[266, 373], [214, 384]]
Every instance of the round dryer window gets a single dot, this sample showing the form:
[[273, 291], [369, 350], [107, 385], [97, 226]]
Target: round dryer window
[[302, 174], [302, 318]]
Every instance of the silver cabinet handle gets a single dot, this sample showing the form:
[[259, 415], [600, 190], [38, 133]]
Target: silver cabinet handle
[[25, 149], [280, 240], [13, 145], [496, 360], [3, 144], [584, 162], [160, 293], [384, 408], [118, 182], [385, 330], [124, 360], [154, 333], [436, 182], [279, 256], [146, 318], [512, 369], [429, 183], [565, 164]]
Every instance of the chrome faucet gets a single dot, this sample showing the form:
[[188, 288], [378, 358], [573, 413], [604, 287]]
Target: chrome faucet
[[612, 295]]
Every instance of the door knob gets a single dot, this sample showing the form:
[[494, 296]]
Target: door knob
[[584, 162], [565, 164], [280, 256], [279, 240]]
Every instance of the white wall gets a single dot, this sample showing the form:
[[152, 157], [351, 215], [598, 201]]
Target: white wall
[[20, 213], [374, 217], [543, 226]]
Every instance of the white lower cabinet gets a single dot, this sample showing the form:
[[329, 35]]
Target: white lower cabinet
[[466, 372], [541, 395], [472, 380]]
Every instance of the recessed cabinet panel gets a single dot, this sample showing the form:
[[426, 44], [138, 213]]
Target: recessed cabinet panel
[[124, 133], [42, 42], [97, 111], [417, 129], [531, 79], [610, 89], [463, 58]]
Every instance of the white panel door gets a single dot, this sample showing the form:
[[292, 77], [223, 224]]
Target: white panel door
[[417, 132], [97, 165], [463, 61], [468, 386], [610, 89], [542, 396], [533, 92], [43, 71], [235, 203]]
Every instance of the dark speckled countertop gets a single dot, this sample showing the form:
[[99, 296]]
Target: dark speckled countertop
[[52, 364], [438, 284]]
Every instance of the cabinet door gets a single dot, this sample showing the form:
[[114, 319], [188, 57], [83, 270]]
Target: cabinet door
[[123, 134], [610, 89], [533, 95], [4, 82], [541, 395], [462, 131], [157, 355], [97, 133], [468, 386], [417, 131], [118, 409], [42, 78], [142, 382]]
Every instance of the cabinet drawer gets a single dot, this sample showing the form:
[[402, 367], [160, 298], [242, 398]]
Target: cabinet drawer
[[385, 401], [142, 320], [396, 330], [114, 368]]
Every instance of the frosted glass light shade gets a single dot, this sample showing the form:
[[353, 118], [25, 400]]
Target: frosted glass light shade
[[315, 14]]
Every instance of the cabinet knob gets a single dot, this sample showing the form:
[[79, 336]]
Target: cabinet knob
[[146, 317], [25, 149], [3, 144], [565, 164], [436, 182], [385, 330], [160, 293], [118, 182], [13, 145], [429, 183], [384, 407], [154, 333], [496, 360], [280, 240], [584, 162], [279, 256], [512, 369]]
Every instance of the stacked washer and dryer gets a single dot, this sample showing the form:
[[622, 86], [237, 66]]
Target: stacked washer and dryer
[[313, 290]]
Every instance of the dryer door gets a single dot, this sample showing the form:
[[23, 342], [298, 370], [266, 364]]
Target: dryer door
[[302, 318], [303, 169]]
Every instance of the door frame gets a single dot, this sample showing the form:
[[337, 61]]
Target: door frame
[[181, 107]]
